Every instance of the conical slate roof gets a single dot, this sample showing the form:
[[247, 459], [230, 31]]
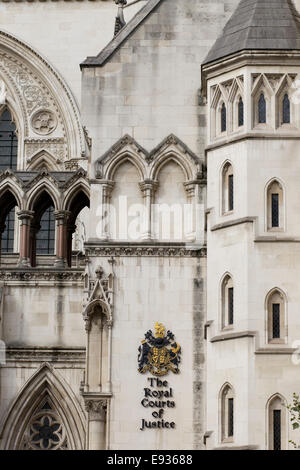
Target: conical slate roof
[[258, 25]]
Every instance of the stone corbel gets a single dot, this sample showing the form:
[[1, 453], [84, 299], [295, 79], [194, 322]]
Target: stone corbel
[[96, 407]]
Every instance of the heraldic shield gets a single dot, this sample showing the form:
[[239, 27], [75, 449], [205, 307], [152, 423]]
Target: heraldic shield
[[159, 354]]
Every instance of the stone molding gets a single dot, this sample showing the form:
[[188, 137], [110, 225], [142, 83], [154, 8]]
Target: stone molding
[[51, 355], [155, 250], [232, 223], [41, 275], [231, 336]]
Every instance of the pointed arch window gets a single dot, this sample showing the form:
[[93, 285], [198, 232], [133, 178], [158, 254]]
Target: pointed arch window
[[8, 142], [45, 237], [7, 243], [262, 109], [275, 207], [42, 229], [227, 188], [223, 118], [277, 424], [227, 302], [8, 206], [227, 414], [78, 207], [276, 317], [240, 112], [286, 109]]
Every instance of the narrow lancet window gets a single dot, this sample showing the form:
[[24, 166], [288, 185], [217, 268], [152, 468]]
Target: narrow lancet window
[[223, 118], [262, 109], [241, 112], [286, 110]]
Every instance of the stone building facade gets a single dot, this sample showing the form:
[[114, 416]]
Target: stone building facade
[[149, 238]]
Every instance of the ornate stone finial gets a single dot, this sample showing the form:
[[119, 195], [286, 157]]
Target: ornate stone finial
[[120, 21]]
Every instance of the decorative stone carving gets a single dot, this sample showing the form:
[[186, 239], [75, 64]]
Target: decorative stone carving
[[44, 122], [45, 430], [96, 406], [55, 146], [2, 92], [160, 251], [33, 275]]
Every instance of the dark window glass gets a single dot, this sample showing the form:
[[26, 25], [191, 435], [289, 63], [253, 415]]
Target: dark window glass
[[230, 306], [46, 235], [241, 112], [262, 110], [276, 320], [223, 118], [277, 429], [286, 110], [7, 244], [230, 417], [230, 193], [8, 142], [275, 210]]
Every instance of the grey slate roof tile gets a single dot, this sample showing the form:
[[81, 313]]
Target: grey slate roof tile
[[258, 25]]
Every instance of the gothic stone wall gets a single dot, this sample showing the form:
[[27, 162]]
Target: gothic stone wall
[[150, 87]]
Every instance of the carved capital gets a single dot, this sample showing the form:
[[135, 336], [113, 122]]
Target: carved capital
[[107, 187], [62, 217], [149, 186], [25, 217], [96, 407]]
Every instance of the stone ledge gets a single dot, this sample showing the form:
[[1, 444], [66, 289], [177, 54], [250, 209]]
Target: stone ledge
[[41, 274], [275, 350], [253, 447], [232, 223], [39, 354], [147, 248], [230, 336]]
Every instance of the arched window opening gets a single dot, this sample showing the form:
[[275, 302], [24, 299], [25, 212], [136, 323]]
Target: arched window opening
[[8, 235], [42, 231], [8, 206], [277, 424], [77, 224], [275, 206], [228, 188], [8, 142], [227, 302], [240, 112], [262, 109], [286, 110], [45, 237], [223, 118], [276, 317], [227, 414]]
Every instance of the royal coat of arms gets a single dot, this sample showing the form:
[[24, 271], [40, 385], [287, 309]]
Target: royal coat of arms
[[159, 354]]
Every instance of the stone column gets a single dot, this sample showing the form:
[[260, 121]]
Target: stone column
[[148, 187], [25, 218], [2, 229], [96, 432], [107, 187], [61, 238]]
